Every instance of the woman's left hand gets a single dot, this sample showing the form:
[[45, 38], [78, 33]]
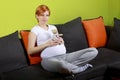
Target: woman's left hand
[[60, 40]]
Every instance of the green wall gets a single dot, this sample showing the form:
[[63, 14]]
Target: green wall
[[19, 14], [114, 10]]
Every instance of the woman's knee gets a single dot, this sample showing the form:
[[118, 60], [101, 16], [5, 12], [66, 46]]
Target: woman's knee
[[93, 52]]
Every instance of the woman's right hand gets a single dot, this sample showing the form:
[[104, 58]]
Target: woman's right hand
[[51, 42]]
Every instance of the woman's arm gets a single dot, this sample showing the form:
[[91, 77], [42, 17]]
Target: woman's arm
[[31, 44]]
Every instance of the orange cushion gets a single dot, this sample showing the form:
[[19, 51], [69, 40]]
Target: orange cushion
[[34, 59], [95, 31]]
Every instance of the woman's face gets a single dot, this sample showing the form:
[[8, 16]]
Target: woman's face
[[43, 18]]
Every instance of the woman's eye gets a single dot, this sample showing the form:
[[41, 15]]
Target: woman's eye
[[47, 15], [42, 15]]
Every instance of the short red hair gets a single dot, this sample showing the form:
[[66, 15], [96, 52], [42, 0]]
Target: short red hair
[[41, 9]]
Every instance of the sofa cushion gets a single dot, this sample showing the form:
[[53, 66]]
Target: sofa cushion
[[1, 77], [89, 73], [98, 78], [95, 31], [32, 72], [113, 71], [114, 40], [35, 58], [103, 60], [73, 35], [106, 56], [12, 55]]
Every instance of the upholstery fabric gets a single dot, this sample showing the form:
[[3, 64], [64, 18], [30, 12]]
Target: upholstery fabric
[[114, 40], [73, 35], [12, 55], [114, 72], [101, 63], [32, 72]]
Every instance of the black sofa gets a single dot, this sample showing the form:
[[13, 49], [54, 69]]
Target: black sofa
[[14, 63]]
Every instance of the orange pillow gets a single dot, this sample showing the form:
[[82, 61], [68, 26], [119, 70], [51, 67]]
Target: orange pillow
[[34, 59], [95, 31]]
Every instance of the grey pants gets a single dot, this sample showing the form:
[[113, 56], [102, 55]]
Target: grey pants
[[69, 61]]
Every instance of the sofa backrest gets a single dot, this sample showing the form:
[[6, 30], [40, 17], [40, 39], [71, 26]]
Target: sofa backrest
[[73, 35], [108, 31], [12, 55]]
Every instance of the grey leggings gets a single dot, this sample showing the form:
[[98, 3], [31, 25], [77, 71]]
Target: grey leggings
[[69, 61]]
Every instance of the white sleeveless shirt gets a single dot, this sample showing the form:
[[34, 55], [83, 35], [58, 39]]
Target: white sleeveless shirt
[[43, 36]]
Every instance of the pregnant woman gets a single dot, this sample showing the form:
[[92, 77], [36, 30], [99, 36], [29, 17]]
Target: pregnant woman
[[52, 49]]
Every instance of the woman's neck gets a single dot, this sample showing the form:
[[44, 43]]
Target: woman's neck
[[45, 26], [42, 25]]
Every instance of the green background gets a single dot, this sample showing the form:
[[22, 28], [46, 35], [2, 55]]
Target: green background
[[19, 14]]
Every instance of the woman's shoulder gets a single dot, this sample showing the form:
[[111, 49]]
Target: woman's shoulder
[[35, 28]]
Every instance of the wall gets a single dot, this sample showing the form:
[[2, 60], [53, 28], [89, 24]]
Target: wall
[[114, 10], [19, 14]]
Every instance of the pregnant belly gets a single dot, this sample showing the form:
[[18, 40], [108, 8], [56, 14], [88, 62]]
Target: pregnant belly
[[53, 51]]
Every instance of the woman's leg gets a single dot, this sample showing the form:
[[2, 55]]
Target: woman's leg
[[51, 64], [77, 61], [58, 64], [82, 56], [70, 61]]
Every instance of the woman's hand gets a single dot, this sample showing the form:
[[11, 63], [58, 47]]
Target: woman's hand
[[55, 42], [51, 42], [60, 39]]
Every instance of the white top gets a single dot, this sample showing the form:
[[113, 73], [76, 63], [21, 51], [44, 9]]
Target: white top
[[43, 36]]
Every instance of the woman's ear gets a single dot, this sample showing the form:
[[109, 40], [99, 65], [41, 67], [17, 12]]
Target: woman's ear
[[37, 17]]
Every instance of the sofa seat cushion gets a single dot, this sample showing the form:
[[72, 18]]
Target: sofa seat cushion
[[89, 73], [98, 78], [32, 72], [1, 77], [103, 60], [106, 56], [113, 71], [36, 72]]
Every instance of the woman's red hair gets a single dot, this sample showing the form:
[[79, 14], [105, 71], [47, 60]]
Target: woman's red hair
[[41, 9]]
